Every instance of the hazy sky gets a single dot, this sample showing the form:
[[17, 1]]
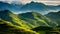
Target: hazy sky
[[48, 2]]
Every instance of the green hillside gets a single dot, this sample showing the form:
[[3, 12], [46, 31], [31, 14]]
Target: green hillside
[[47, 30], [27, 20], [13, 18], [36, 19], [9, 28], [54, 16], [11, 23]]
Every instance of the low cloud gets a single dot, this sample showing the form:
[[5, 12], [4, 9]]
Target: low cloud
[[48, 2]]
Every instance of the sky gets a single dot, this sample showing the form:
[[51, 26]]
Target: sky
[[47, 2]]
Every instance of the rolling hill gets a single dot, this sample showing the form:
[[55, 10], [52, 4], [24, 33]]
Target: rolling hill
[[26, 20], [9, 28], [13, 18], [36, 19], [55, 16], [47, 30]]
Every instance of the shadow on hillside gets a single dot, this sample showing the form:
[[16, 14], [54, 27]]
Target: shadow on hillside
[[47, 30]]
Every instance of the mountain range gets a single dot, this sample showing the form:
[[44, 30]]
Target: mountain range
[[33, 6], [35, 18], [12, 7], [27, 22]]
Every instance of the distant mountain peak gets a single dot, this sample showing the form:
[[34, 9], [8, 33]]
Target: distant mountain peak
[[32, 2]]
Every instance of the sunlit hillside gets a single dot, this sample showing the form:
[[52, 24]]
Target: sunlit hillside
[[25, 23], [27, 20], [8, 28]]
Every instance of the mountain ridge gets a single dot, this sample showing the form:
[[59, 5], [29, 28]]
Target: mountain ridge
[[33, 6], [9, 28], [55, 16], [27, 20]]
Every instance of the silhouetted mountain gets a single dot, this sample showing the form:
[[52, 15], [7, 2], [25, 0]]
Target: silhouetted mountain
[[55, 16], [33, 6], [13, 7], [39, 7]]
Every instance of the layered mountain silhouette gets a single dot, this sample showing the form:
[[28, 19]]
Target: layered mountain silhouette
[[22, 23], [12, 7], [31, 20], [33, 6], [27, 20], [13, 18], [55, 16]]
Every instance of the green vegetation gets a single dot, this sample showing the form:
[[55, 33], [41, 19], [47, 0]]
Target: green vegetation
[[47, 30], [54, 16], [25, 23], [8, 28], [36, 19]]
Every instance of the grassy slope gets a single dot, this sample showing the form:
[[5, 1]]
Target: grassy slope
[[55, 16], [13, 18], [25, 22], [8, 28], [36, 19], [28, 20], [47, 30]]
